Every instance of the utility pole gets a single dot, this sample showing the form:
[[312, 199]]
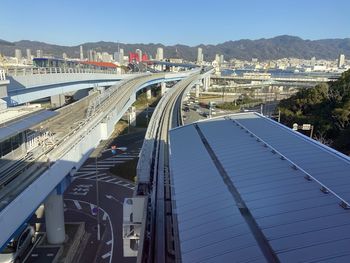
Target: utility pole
[[279, 115]]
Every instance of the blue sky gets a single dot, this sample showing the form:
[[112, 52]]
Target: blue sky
[[190, 22]]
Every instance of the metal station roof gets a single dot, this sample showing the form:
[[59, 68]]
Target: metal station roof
[[25, 122], [247, 189]]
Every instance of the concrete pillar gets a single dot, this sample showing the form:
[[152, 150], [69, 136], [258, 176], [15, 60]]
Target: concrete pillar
[[39, 214], [197, 90], [206, 83], [149, 94], [132, 116], [162, 88], [3, 90], [54, 218], [57, 100]]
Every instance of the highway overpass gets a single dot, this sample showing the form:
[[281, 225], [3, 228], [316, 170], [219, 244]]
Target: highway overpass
[[80, 131]]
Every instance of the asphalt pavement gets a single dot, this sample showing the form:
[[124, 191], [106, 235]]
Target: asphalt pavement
[[81, 203]]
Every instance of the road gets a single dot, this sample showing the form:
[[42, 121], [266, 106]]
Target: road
[[80, 201]]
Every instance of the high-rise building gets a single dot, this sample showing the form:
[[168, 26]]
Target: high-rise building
[[106, 57], [29, 55], [64, 55], [217, 58], [92, 55], [121, 56], [313, 62], [98, 56], [81, 53], [221, 59], [39, 53], [139, 53], [200, 56], [341, 60], [159, 55], [18, 55]]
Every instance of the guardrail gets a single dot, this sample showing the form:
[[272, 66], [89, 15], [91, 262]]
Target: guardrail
[[40, 70]]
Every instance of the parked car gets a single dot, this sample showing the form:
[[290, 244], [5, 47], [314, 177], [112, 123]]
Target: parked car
[[15, 250]]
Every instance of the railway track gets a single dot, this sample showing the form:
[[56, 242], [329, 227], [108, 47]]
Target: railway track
[[63, 127], [159, 243]]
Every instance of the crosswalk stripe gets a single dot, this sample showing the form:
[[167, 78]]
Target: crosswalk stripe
[[106, 255], [103, 178], [119, 158], [87, 169], [79, 172], [76, 203], [111, 180]]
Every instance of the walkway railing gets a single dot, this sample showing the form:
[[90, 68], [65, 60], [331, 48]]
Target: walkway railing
[[39, 70]]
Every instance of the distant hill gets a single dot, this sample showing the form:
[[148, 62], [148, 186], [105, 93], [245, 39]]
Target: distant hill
[[272, 48]]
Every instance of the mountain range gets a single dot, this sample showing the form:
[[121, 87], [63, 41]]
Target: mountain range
[[272, 48]]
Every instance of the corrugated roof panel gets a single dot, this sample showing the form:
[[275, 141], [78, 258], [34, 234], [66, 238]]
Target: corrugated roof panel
[[210, 225], [301, 223], [247, 170], [318, 157]]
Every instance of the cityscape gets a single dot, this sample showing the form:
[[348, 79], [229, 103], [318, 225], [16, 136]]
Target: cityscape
[[171, 135]]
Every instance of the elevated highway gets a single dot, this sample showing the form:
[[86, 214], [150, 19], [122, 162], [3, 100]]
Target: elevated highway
[[27, 85], [76, 133], [256, 81]]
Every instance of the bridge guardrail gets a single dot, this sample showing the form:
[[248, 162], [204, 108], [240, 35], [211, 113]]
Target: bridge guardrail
[[42, 70]]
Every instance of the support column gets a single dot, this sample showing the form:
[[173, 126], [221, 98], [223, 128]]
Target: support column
[[149, 94], [162, 88], [54, 218], [3, 90], [132, 116], [57, 100], [197, 90], [206, 83]]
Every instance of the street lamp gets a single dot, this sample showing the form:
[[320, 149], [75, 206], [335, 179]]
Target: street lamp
[[113, 151]]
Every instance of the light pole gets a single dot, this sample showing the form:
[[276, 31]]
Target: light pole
[[97, 203], [113, 150]]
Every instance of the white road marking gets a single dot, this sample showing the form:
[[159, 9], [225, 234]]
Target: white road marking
[[110, 180], [50, 255], [92, 206], [109, 242], [119, 159], [110, 225], [106, 255], [76, 202], [82, 173], [109, 161], [87, 169], [103, 178], [104, 217]]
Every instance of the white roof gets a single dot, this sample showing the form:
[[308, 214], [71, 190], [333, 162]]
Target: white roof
[[11, 114], [23, 123], [242, 192]]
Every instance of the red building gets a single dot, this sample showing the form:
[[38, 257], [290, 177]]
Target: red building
[[133, 57]]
